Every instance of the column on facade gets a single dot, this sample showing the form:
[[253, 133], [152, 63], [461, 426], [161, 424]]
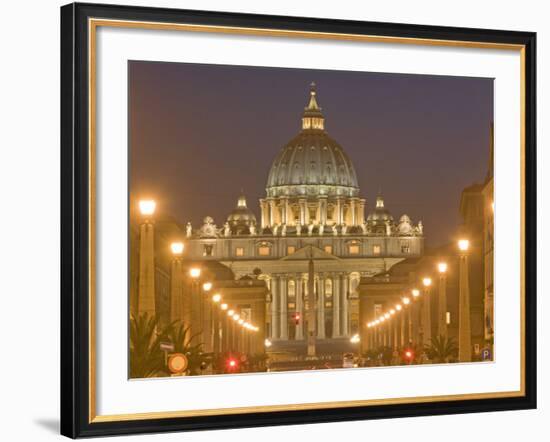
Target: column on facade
[[274, 307], [300, 307], [265, 213], [321, 307], [284, 306], [353, 211], [284, 211], [396, 328], [361, 212], [427, 316], [336, 294], [345, 305], [402, 328], [323, 210], [303, 208], [272, 212], [176, 291], [338, 211]]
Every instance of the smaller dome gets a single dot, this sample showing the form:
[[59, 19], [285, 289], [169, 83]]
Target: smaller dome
[[380, 215], [241, 217]]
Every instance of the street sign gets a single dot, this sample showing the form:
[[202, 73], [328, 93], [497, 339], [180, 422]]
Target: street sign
[[486, 354], [166, 346], [177, 363]]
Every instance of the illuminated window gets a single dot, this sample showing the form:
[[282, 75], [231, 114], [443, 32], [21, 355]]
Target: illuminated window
[[328, 249], [328, 304], [376, 250], [239, 251], [354, 249], [264, 250], [291, 306], [290, 250], [291, 289], [448, 318]]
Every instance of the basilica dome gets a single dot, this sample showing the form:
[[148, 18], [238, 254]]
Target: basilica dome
[[312, 163], [380, 216]]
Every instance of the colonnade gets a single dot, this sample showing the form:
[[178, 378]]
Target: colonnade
[[290, 211], [331, 305]]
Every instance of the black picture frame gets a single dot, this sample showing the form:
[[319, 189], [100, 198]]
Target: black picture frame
[[75, 248]]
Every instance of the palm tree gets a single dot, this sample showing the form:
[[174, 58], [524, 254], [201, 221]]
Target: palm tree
[[146, 358], [441, 349]]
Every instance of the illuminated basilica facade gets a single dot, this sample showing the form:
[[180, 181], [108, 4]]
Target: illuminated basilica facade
[[312, 213]]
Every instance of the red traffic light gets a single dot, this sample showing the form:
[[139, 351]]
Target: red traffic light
[[232, 364], [408, 354]]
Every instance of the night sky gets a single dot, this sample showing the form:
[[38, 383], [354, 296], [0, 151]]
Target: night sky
[[201, 133]]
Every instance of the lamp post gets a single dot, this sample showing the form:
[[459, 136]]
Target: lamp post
[[207, 316], [464, 327], [176, 283], [216, 299], [427, 310], [194, 313], [146, 287], [406, 302], [417, 331], [442, 301]]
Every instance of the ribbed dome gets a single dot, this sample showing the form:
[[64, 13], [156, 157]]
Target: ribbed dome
[[312, 163], [241, 217]]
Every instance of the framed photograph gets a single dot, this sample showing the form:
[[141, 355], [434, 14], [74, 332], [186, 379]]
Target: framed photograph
[[280, 220]]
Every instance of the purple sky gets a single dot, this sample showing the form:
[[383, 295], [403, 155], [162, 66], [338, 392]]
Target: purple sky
[[200, 133]]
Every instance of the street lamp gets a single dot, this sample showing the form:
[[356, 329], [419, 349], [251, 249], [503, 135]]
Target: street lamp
[[146, 281], [216, 298], [463, 245], [207, 286], [426, 311], [464, 327], [176, 283], [230, 312], [268, 343], [415, 293], [147, 207], [224, 306], [177, 248], [195, 272], [442, 301]]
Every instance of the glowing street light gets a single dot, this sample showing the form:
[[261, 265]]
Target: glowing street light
[[207, 286], [442, 267], [177, 248], [224, 306], [463, 245], [387, 315], [355, 339], [398, 307], [147, 207], [406, 301], [195, 272], [230, 312], [236, 317], [392, 312], [415, 293], [268, 343], [427, 282], [217, 298]]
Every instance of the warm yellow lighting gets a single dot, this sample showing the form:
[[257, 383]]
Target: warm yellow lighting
[[369, 325], [236, 317], [406, 301], [195, 272], [223, 306], [415, 292], [427, 282], [230, 312], [398, 307], [267, 343], [442, 267], [207, 286], [392, 312], [463, 245], [355, 339], [147, 207], [177, 248], [493, 206], [381, 319], [217, 297], [387, 315], [241, 321]]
